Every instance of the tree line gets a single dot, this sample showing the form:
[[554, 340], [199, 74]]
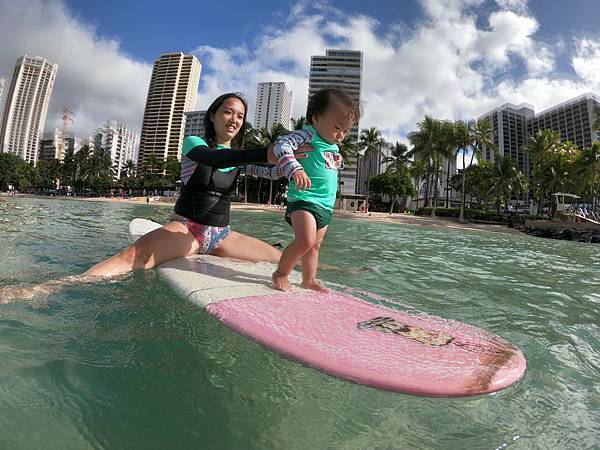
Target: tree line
[[424, 171]]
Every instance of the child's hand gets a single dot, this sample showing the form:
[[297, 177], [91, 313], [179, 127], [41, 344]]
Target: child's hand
[[301, 180]]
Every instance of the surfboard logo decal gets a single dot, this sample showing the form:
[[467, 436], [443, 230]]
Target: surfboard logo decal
[[389, 325]]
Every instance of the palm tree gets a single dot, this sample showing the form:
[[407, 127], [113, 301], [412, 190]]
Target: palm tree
[[418, 170], [370, 142], [445, 144], [129, 168], [541, 146], [451, 153], [348, 150], [472, 136], [265, 138], [506, 181], [348, 147], [399, 160], [81, 163], [561, 166], [69, 165], [299, 123], [587, 168], [424, 142]]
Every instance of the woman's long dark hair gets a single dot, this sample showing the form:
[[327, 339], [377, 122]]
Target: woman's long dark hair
[[209, 127]]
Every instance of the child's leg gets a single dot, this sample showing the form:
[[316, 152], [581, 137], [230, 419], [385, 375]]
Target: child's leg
[[310, 262], [305, 231]]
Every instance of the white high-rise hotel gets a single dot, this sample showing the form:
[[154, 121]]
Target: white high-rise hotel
[[26, 106], [514, 124], [119, 140], [172, 92], [339, 69], [273, 105]]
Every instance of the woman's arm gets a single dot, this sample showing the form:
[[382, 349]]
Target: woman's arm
[[227, 157]]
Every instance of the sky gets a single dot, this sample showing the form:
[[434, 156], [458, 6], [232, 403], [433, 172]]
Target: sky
[[451, 59]]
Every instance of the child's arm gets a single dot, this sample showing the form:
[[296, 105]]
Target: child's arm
[[284, 151], [270, 173]]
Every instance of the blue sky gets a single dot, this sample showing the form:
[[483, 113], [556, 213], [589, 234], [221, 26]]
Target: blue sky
[[452, 59], [224, 24]]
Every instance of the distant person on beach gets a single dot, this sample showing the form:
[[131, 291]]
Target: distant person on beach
[[331, 114]]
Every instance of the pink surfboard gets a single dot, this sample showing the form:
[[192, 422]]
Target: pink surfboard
[[342, 335]]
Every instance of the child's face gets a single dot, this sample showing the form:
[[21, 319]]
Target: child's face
[[334, 124]]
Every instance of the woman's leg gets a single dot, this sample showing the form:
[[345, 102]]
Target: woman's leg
[[240, 246], [171, 241]]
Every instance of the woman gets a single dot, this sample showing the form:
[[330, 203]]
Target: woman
[[201, 221], [209, 173]]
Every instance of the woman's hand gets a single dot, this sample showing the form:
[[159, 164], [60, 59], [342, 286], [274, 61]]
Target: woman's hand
[[271, 156], [301, 180], [302, 151]]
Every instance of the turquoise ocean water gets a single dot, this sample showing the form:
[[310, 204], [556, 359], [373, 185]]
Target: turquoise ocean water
[[128, 364]]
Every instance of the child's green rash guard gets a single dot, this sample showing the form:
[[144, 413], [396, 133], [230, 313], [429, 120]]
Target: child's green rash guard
[[321, 166]]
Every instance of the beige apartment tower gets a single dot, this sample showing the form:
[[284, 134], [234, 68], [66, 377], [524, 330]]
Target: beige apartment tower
[[273, 105], [26, 106], [172, 92]]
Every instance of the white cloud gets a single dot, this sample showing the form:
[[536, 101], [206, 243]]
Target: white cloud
[[96, 79], [586, 61], [448, 66], [519, 6]]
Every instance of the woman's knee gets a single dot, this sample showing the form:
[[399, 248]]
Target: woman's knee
[[136, 256]]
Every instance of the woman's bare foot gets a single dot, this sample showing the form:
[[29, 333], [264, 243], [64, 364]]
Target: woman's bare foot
[[280, 281], [314, 285]]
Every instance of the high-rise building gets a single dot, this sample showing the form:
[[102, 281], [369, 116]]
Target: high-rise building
[[273, 105], [26, 106], [118, 139], [370, 166], [50, 145], [509, 123], [194, 123], [2, 81], [339, 69], [573, 119], [172, 92], [513, 125]]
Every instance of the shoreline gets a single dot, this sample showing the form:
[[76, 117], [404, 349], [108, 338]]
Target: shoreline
[[395, 218]]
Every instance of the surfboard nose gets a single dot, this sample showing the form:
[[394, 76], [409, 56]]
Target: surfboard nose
[[509, 373]]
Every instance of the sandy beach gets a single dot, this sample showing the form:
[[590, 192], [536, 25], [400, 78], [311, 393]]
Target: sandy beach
[[396, 218]]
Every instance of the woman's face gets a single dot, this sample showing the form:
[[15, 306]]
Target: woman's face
[[228, 120]]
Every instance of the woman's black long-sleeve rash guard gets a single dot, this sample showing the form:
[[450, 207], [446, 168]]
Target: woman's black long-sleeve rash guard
[[206, 195]]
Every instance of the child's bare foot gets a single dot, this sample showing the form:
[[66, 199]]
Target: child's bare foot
[[280, 281], [314, 285]]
